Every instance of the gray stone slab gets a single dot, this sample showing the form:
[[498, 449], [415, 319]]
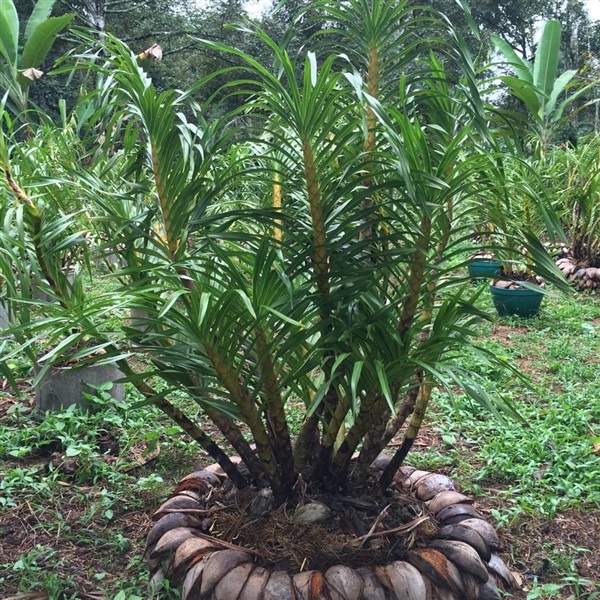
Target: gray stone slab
[[62, 387]]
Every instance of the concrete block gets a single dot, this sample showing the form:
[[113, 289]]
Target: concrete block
[[63, 386]]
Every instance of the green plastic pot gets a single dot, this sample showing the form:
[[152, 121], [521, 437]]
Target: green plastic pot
[[484, 268], [520, 302]]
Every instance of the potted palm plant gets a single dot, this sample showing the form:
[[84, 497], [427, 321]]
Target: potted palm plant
[[298, 255]]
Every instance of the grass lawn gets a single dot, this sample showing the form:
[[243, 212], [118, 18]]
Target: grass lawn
[[76, 490]]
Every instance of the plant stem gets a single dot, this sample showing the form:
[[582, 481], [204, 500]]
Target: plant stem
[[384, 430], [370, 140], [37, 226], [246, 404], [409, 438], [320, 256], [415, 280], [275, 413], [370, 407]]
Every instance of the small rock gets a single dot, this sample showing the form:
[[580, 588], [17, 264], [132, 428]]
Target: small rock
[[262, 503], [313, 512]]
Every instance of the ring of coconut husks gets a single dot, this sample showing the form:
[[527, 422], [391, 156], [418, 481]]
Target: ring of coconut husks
[[459, 562]]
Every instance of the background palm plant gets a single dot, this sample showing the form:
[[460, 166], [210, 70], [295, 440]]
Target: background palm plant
[[545, 94], [576, 178], [21, 58]]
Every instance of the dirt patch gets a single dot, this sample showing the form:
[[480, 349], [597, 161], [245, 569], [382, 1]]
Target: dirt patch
[[427, 438], [504, 333], [570, 537], [572, 533], [534, 547], [74, 549]]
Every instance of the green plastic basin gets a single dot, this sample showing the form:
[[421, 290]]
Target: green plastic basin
[[484, 268], [522, 302]]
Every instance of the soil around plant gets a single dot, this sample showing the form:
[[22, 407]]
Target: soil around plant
[[283, 543]]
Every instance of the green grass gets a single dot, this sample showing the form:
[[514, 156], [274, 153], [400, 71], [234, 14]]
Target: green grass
[[75, 481], [73, 484], [547, 462]]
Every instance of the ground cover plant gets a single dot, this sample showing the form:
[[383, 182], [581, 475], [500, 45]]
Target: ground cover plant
[[74, 526]]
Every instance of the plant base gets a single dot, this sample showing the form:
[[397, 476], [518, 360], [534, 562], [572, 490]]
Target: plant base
[[455, 559]]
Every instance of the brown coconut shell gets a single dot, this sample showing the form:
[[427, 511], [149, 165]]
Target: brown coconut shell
[[318, 587], [302, 584], [189, 553], [167, 523], [428, 487], [472, 586], [438, 568], [499, 568], [450, 514], [485, 530], [463, 556], [255, 584], [279, 587], [217, 565], [171, 540], [372, 587], [416, 476], [446, 498], [178, 502], [403, 580], [230, 586], [190, 590], [345, 581], [468, 536]]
